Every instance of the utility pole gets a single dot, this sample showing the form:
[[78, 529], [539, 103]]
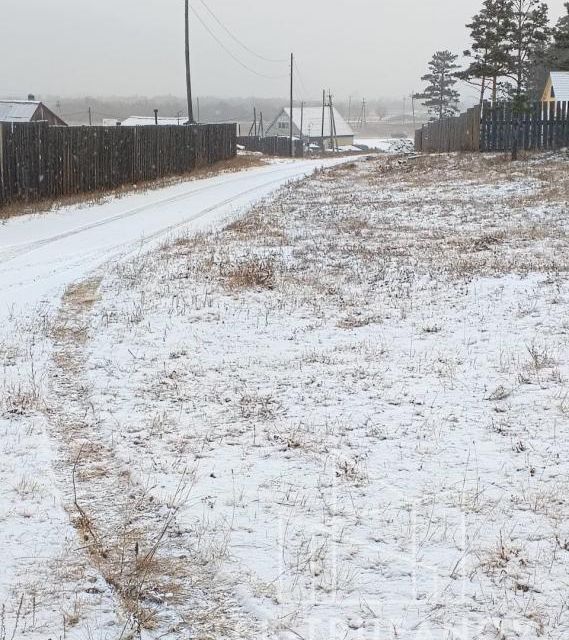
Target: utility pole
[[198, 101], [188, 68], [364, 113], [323, 116], [349, 109], [333, 135], [291, 103], [253, 129], [413, 109], [301, 121], [90, 117]]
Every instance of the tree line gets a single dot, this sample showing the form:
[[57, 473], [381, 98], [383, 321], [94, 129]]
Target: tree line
[[513, 48]]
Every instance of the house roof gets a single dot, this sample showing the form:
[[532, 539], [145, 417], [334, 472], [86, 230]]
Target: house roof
[[560, 83], [142, 121], [17, 110], [312, 122]]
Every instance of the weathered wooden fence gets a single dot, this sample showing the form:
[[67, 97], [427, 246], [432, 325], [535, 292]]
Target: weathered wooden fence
[[498, 128], [272, 145], [460, 133], [541, 126], [38, 161]]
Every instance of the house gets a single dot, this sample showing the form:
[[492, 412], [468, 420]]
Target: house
[[310, 120], [557, 87], [143, 121], [18, 111]]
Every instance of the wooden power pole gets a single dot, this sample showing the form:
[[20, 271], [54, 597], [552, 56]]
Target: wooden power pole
[[291, 103], [323, 116], [333, 135], [188, 69]]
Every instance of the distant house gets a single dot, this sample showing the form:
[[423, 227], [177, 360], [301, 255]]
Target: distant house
[[556, 87], [18, 111], [310, 120], [143, 121]]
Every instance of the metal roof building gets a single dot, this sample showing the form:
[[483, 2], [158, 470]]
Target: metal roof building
[[142, 121], [21, 111], [557, 87], [310, 119]]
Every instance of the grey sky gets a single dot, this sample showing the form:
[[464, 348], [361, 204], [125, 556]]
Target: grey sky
[[125, 47]]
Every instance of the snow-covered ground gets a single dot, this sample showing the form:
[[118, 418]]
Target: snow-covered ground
[[386, 145], [342, 416], [44, 573]]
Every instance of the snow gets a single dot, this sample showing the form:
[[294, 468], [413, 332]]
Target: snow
[[40, 256], [311, 118], [142, 121], [17, 110], [361, 384], [386, 145]]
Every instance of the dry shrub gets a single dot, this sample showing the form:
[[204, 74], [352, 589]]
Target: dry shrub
[[84, 294], [22, 400], [255, 405], [251, 273], [356, 226], [487, 241], [259, 226]]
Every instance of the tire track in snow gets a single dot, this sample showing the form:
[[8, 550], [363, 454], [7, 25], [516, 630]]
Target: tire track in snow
[[15, 252]]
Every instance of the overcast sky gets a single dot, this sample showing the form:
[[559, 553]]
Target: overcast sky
[[367, 48]]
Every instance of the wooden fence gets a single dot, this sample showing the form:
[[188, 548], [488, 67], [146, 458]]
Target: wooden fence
[[39, 161], [272, 145], [498, 128], [461, 133], [541, 126]]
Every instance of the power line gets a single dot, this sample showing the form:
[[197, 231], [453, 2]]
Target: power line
[[301, 80], [231, 54], [239, 42]]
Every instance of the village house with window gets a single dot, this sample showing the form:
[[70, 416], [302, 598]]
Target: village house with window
[[31, 110], [307, 123], [556, 87]]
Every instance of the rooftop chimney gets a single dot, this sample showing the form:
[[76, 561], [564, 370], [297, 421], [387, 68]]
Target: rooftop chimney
[[31, 97]]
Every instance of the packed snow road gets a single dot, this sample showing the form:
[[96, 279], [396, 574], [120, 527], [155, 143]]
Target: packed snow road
[[41, 255]]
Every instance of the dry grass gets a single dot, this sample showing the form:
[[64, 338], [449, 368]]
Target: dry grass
[[380, 243], [122, 528], [249, 273], [455, 225], [478, 170], [258, 225]]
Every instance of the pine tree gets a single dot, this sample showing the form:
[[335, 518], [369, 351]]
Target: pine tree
[[554, 58], [559, 53], [440, 96], [528, 40], [489, 31]]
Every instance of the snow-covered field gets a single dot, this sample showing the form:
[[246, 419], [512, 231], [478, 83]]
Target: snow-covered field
[[343, 416]]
